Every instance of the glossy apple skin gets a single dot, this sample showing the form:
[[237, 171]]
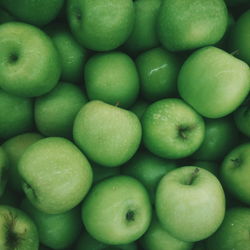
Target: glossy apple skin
[[235, 171], [234, 231], [101, 25], [35, 12], [20, 225], [109, 206], [172, 129], [56, 231], [213, 82], [190, 205], [56, 175], [107, 134], [4, 168], [185, 25], [25, 48], [112, 78]]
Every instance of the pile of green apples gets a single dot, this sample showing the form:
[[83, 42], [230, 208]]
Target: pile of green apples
[[124, 125]]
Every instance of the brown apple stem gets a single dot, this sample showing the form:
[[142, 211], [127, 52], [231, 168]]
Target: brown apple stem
[[117, 104], [193, 176]]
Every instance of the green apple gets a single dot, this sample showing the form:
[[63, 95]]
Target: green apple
[[240, 36], [55, 112], [5, 16], [112, 77], [101, 25], [190, 203], [214, 82], [208, 165], [235, 170], [30, 64], [234, 231], [158, 70], [14, 148], [72, 55], [117, 210], [17, 230], [148, 169], [35, 12], [157, 238], [139, 108], [184, 24], [221, 135], [107, 134], [144, 36], [16, 114], [242, 117], [55, 175], [172, 129], [56, 231], [4, 168]]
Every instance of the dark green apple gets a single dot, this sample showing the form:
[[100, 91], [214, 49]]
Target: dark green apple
[[4, 168], [107, 134], [55, 112], [234, 231], [172, 129], [101, 25], [139, 108], [190, 203], [117, 210], [184, 24], [214, 82], [112, 77], [30, 64], [5, 16], [235, 170], [158, 70], [10, 198], [55, 175], [17, 230]]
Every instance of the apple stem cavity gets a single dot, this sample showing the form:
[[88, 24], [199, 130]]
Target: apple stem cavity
[[193, 176], [13, 58], [236, 162], [130, 216]]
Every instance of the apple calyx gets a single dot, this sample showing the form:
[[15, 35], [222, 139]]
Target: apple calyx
[[130, 216], [13, 58], [193, 176], [236, 162]]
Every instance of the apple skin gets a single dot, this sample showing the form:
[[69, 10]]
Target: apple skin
[[14, 148], [55, 175], [190, 203], [14, 123], [17, 230], [4, 168], [158, 70], [234, 231], [120, 204], [185, 25], [172, 129], [235, 170], [213, 82], [25, 48], [139, 108], [112, 78], [107, 134], [56, 231], [49, 118], [34, 12], [101, 25]]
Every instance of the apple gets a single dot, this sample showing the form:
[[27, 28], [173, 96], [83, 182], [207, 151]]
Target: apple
[[190, 203], [101, 25], [117, 210], [55, 175], [139, 108], [107, 134], [235, 171], [14, 149], [16, 114], [144, 35], [49, 118], [35, 12], [213, 82], [72, 55], [112, 77], [56, 231], [210, 166], [234, 231], [17, 230], [185, 25], [4, 168], [148, 169], [172, 129], [25, 48], [158, 70], [221, 135]]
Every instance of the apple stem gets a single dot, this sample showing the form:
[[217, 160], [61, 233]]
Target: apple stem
[[193, 176], [235, 52], [117, 104]]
